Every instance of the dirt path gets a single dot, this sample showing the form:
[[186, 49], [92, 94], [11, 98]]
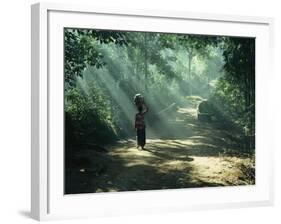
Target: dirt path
[[198, 155]]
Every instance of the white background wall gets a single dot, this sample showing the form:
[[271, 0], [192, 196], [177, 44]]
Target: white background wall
[[15, 111]]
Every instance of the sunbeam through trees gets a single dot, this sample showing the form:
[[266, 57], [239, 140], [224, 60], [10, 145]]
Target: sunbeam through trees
[[200, 120]]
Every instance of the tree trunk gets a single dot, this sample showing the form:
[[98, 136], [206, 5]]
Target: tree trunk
[[190, 56], [145, 61], [209, 83]]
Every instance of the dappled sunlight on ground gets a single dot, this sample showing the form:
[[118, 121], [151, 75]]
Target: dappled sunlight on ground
[[222, 170], [191, 112], [200, 156]]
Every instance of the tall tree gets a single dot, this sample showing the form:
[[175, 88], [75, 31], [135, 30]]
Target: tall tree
[[239, 54], [80, 49]]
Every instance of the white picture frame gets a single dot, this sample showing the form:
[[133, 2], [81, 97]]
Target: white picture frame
[[48, 201]]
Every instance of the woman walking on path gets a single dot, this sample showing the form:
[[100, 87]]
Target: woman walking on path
[[139, 120]]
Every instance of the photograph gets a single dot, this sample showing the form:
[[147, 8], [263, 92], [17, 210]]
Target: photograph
[[155, 111]]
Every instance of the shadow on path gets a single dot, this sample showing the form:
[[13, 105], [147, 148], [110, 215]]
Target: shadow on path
[[190, 154]]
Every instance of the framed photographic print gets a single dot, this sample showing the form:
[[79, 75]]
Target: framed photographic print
[[148, 111]]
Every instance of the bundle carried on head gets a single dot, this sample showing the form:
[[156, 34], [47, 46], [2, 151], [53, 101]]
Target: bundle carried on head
[[138, 99]]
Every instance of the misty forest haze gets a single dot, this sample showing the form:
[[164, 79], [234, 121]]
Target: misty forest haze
[[200, 127]]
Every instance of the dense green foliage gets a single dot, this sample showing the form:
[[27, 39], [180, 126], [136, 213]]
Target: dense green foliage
[[105, 69], [235, 91], [81, 49]]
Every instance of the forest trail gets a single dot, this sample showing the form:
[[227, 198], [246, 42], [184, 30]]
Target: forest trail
[[200, 155]]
